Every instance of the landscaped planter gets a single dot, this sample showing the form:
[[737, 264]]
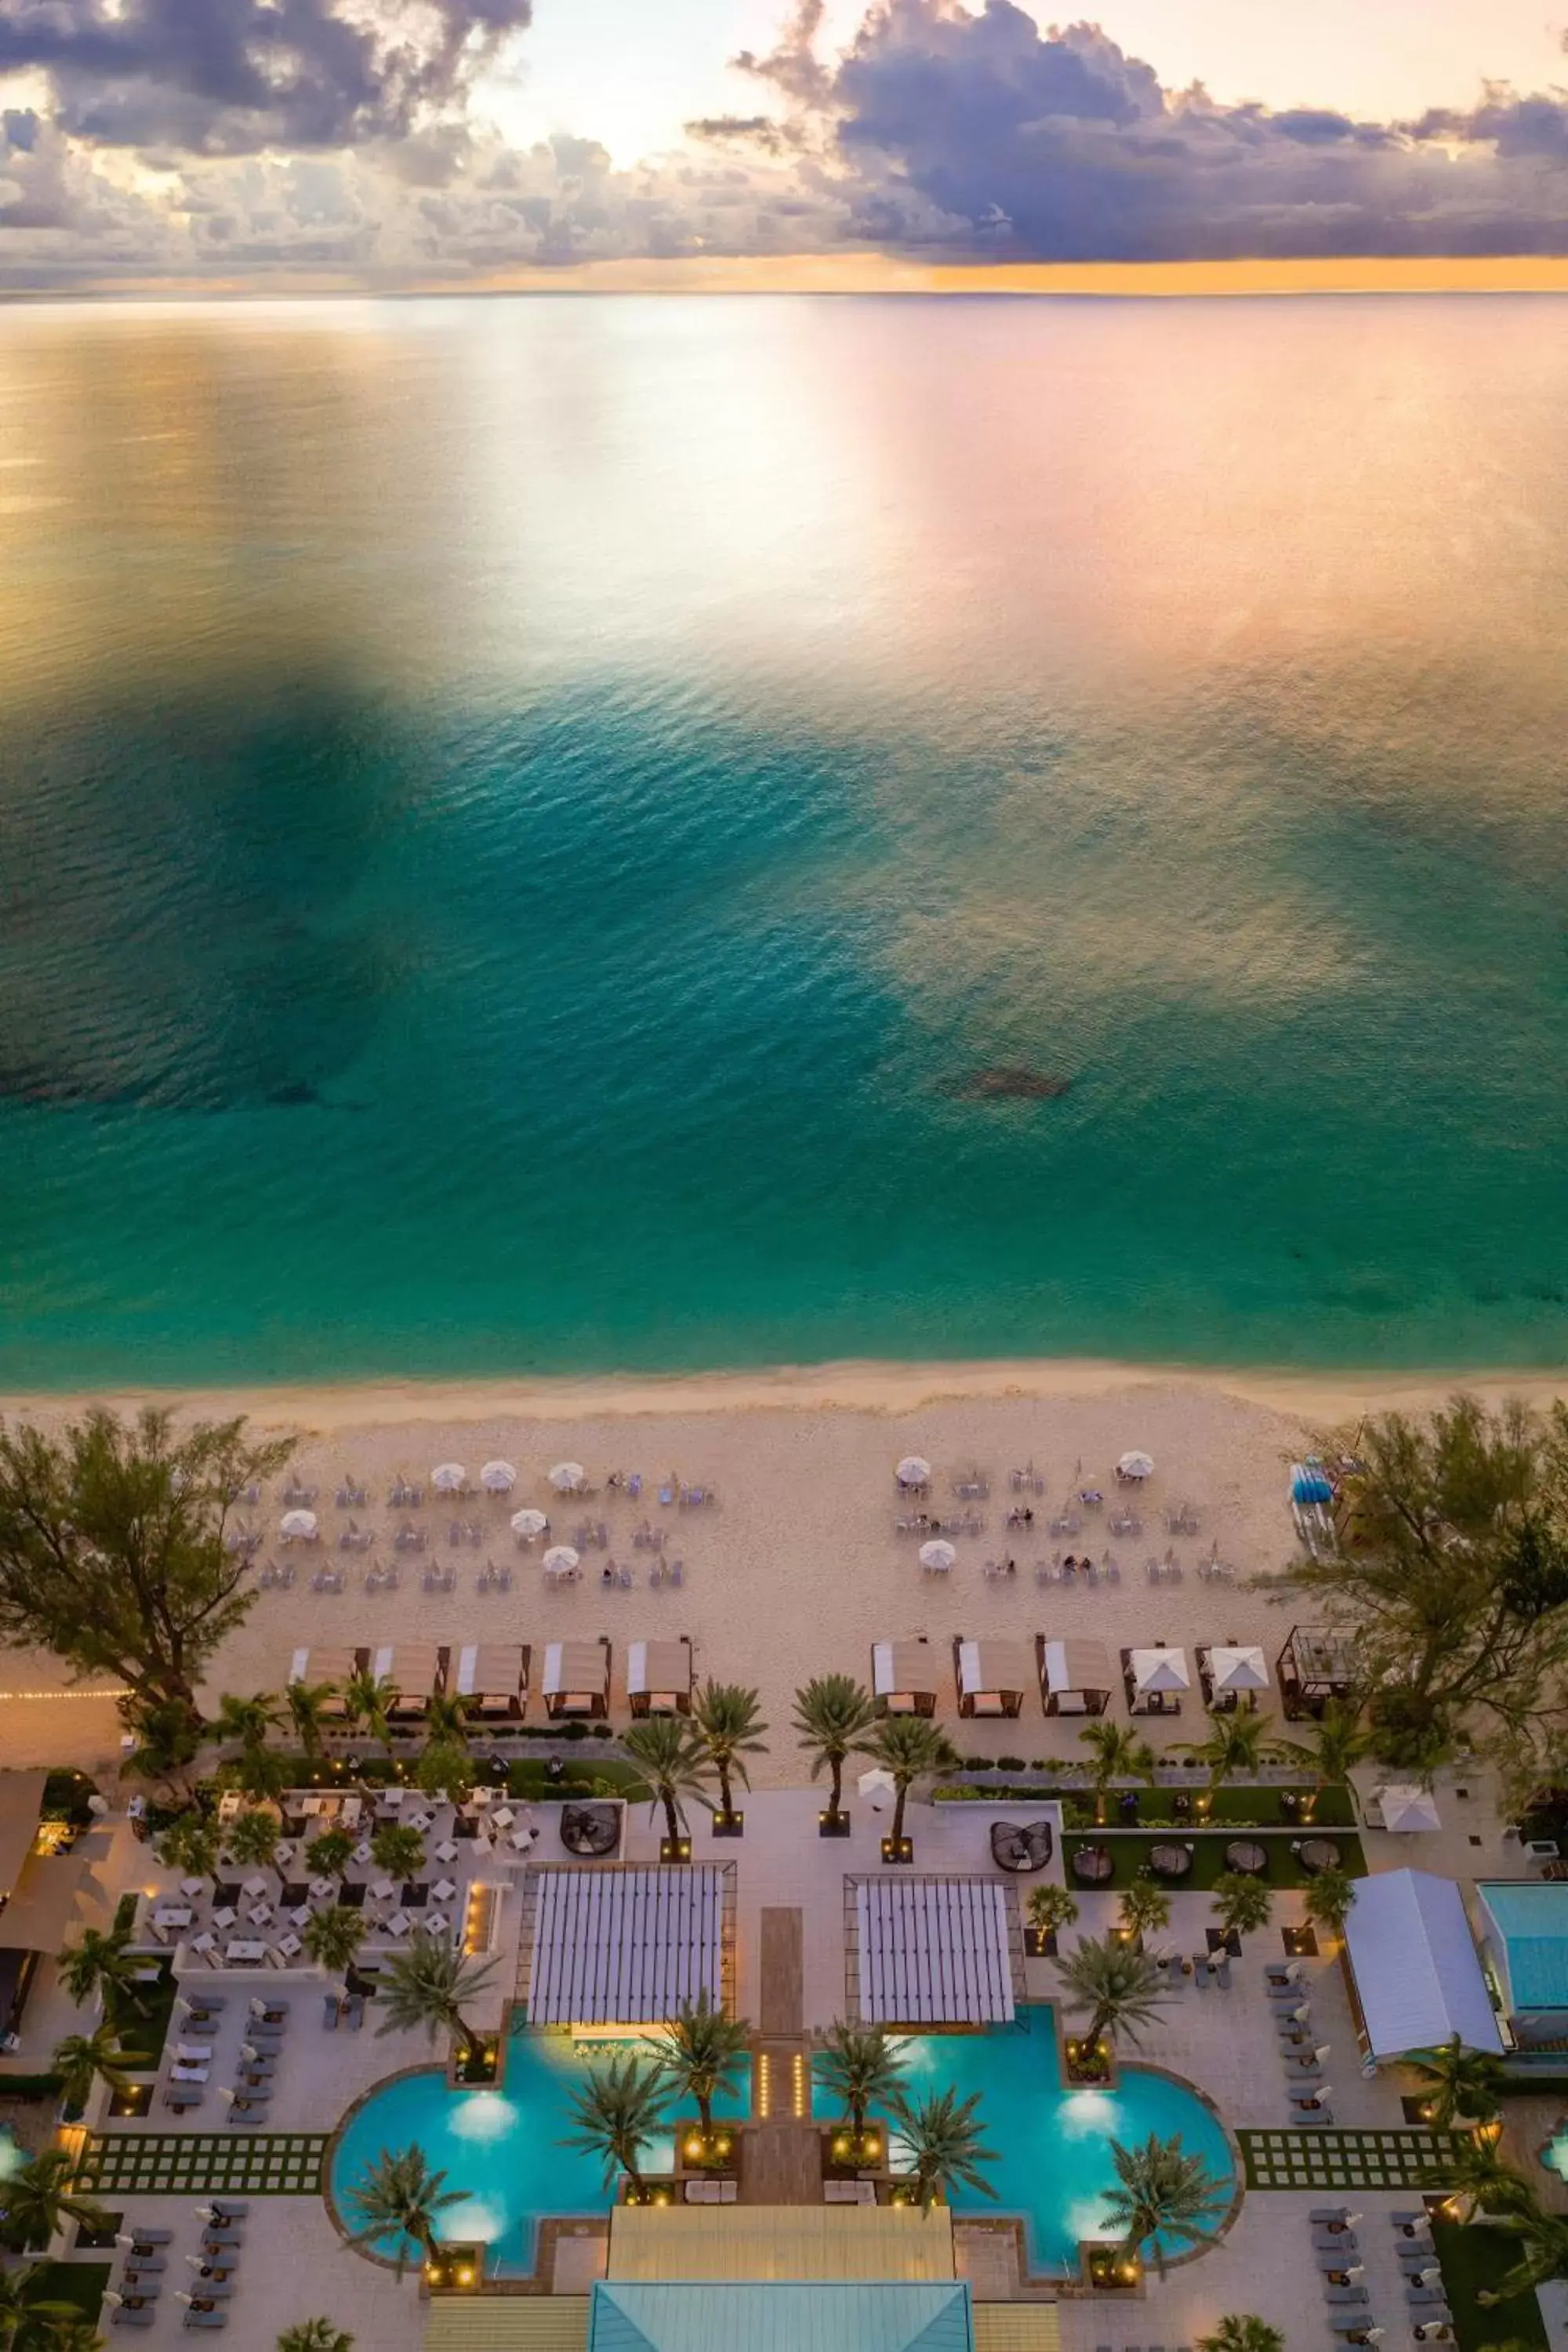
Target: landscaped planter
[[900, 1850], [1107, 2270], [833, 1825], [728, 1825], [847, 2155], [711, 2158], [1039, 1943], [483, 2072]]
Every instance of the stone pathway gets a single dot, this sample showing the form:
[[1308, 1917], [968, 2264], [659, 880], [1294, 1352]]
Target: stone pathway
[[204, 2164]]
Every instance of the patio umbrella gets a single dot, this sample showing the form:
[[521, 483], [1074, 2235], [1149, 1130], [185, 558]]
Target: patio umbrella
[[1242, 1669], [877, 1786], [568, 1477], [1405, 1808], [528, 1523], [448, 1477], [1135, 1466], [937, 1555], [297, 1523], [560, 1557], [913, 1471], [1308, 1484], [1161, 1670], [498, 1477]]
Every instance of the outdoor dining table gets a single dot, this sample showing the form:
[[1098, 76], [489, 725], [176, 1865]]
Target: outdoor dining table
[[174, 1916], [1092, 1865], [246, 1952], [1169, 1860], [1317, 1853], [1249, 1856]]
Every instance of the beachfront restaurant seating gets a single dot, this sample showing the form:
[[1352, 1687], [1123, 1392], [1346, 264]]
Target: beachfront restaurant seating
[[658, 1677], [492, 1676], [416, 1670], [577, 1680], [1154, 1679], [903, 1677], [329, 1663], [993, 1676], [1076, 1675]]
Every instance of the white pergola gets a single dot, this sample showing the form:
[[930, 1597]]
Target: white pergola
[[933, 1951], [625, 1946]]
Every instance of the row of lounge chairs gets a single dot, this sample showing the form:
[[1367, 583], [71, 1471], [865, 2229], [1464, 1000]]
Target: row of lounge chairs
[[214, 2267], [1342, 2270]]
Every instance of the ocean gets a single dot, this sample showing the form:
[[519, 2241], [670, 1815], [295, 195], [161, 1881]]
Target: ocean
[[562, 835]]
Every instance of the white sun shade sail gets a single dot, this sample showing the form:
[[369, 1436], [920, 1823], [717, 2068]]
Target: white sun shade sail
[[1405, 1808], [448, 1477], [1238, 1668], [1416, 1972], [933, 1951], [528, 1523], [1160, 1669], [1135, 1466], [498, 1477], [914, 1470], [568, 1477], [626, 1947], [937, 1554], [878, 1787], [559, 1560], [297, 1523]]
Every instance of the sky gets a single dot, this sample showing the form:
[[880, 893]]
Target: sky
[[266, 143]]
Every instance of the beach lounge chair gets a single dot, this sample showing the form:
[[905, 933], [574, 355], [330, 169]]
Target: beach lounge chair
[[131, 2314], [211, 2315]]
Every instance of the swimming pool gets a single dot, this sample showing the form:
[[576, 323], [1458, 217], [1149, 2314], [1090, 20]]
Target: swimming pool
[[1052, 2143]]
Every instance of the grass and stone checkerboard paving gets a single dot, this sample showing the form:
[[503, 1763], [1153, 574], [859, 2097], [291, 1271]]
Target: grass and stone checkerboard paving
[[1343, 2159], [203, 2164]]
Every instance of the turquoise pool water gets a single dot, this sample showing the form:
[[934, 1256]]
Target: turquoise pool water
[[1053, 2144]]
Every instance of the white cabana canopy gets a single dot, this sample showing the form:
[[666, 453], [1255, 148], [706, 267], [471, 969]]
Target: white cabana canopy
[[298, 1523], [993, 1666], [561, 1559], [1080, 1665], [1135, 1466], [914, 1470], [933, 1951], [1416, 1973], [568, 1477], [626, 1947], [937, 1554], [908, 1666], [1405, 1808], [876, 1783], [448, 1477], [498, 1477], [528, 1523], [1242, 1668], [1160, 1669]]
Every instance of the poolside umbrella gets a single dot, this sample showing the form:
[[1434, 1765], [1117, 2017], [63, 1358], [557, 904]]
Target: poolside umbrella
[[297, 1523], [877, 1786], [937, 1555], [448, 1477], [1161, 1670], [568, 1477], [1237, 1669], [913, 1471], [528, 1523], [1135, 1466], [1405, 1808], [559, 1558], [1308, 1484], [498, 1477]]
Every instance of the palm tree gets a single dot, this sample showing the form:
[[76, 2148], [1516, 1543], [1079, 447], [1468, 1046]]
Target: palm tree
[[1457, 2084], [368, 1700], [397, 1848], [1477, 2175], [30, 2320], [703, 2054], [447, 1719], [81, 2058], [618, 2109], [1242, 1903], [1543, 2251], [1121, 1989], [332, 1937], [191, 1844], [37, 2198], [259, 1773], [1114, 1754], [861, 2066], [426, 1984], [674, 1762], [1049, 1909], [72, 2332], [832, 1714], [246, 1722], [253, 1838], [307, 1711], [944, 2139], [168, 1735], [326, 2335], [908, 1746], [99, 1963], [1242, 2332], [1144, 1906], [1340, 1743], [401, 2197], [1163, 2194], [1328, 1898], [330, 1854], [729, 1721], [1237, 1744]]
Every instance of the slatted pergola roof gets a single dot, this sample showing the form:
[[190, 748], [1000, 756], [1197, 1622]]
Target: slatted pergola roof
[[933, 1951], [625, 1946]]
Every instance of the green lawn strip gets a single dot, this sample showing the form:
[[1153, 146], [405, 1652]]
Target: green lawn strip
[[143, 2024], [81, 2285], [170, 2164], [526, 1776], [1323, 2157], [1254, 1808], [1472, 2256], [1130, 1854]]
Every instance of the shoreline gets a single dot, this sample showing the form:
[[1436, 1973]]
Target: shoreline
[[852, 1385]]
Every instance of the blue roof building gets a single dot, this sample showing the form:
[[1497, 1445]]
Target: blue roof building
[[780, 2315], [1524, 1947]]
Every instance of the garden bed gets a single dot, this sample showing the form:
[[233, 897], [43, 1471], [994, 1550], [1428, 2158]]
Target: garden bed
[[1473, 2256], [1129, 1851], [142, 2030]]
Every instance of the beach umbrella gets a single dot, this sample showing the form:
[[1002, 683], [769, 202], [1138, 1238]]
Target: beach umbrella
[[568, 1477], [297, 1523], [559, 1558], [1135, 1466], [448, 1477], [528, 1523], [912, 1471], [1161, 1670], [1237, 1669], [877, 1786], [1405, 1808], [937, 1555], [1308, 1484], [498, 1477]]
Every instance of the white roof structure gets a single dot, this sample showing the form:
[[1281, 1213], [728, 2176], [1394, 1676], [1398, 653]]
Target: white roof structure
[[1160, 1669], [1239, 1669], [1405, 1808], [1416, 1973], [626, 1947], [933, 1951]]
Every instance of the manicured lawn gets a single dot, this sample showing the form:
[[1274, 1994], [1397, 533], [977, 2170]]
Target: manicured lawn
[[1130, 1854], [528, 1778], [78, 2284], [144, 2025], [1473, 2256], [1260, 1807]]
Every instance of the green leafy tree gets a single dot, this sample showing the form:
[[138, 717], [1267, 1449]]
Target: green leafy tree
[[333, 1936], [308, 1711], [1235, 1747], [397, 1849], [833, 1713], [1114, 1754], [246, 1722], [1242, 1903], [81, 2058], [1242, 2332], [909, 1747], [321, 2336], [702, 2053], [1340, 1741], [942, 2138], [253, 1838], [446, 1770], [112, 1549], [400, 2198], [1457, 2086], [447, 1719], [423, 1988], [1543, 2251], [368, 1701], [168, 1739], [1329, 1898], [1121, 1989], [259, 1773], [191, 1844], [40, 2196], [1163, 2194], [863, 2067], [618, 2109], [674, 1764], [728, 1720], [1146, 1907], [1477, 2176], [330, 1854], [101, 1963], [1049, 1909]]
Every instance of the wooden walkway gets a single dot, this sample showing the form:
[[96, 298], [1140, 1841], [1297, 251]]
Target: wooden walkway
[[782, 2162], [782, 1974]]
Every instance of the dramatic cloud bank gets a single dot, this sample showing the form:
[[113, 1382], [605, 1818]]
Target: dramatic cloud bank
[[227, 139]]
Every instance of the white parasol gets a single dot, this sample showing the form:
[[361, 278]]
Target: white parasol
[[1135, 1466], [528, 1523], [1238, 1668], [448, 1477], [297, 1523], [877, 1786], [498, 1477], [1405, 1807], [568, 1477], [913, 1471], [937, 1555], [1160, 1669], [559, 1560]]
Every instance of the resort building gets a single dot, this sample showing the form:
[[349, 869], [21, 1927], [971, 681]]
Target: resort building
[[1524, 1949], [1415, 1976]]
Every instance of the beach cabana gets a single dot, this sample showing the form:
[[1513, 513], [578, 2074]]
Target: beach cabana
[[1414, 1974], [492, 1677], [1231, 1675], [1404, 1809], [1155, 1680], [993, 1676], [1315, 1665], [577, 1679], [658, 1677], [903, 1677], [1075, 1676], [416, 1670], [330, 1663]]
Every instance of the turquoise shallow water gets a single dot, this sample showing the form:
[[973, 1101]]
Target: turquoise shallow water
[[521, 826]]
